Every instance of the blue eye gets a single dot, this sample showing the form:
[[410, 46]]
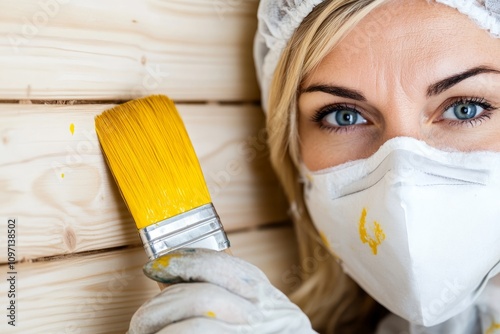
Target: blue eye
[[343, 117], [465, 110]]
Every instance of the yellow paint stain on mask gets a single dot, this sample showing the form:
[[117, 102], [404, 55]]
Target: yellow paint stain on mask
[[164, 261], [493, 328], [309, 177], [368, 239], [72, 128], [211, 314], [324, 239]]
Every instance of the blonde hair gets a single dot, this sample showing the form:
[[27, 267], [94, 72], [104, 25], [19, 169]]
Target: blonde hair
[[333, 302]]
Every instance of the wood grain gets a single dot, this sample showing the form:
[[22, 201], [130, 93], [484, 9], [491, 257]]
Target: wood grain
[[196, 50], [99, 293], [54, 181]]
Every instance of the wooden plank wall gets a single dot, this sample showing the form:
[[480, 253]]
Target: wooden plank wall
[[62, 62]]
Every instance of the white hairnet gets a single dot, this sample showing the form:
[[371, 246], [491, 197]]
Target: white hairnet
[[278, 20]]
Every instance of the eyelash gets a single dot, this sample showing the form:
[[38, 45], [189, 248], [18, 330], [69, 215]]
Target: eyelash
[[324, 111], [486, 114]]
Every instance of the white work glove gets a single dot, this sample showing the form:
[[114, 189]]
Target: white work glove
[[219, 294]]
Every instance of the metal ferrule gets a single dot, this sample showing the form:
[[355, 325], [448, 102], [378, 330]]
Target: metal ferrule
[[197, 228]]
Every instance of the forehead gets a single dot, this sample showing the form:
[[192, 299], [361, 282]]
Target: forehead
[[408, 37]]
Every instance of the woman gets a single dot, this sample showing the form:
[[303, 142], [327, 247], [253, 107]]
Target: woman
[[383, 128]]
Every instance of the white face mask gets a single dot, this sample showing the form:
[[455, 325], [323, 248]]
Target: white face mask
[[417, 228]]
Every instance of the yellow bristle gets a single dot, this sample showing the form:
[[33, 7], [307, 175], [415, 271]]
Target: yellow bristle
[[152, 159]]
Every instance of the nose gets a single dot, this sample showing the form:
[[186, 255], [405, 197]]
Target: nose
[[401, 121]]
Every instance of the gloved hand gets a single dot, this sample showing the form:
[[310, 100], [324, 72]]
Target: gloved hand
[[219, 294]]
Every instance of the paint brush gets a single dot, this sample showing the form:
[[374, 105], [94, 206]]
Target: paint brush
[[151, 157]]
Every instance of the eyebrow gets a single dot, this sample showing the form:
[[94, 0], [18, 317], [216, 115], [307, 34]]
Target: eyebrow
[[336, 90], [441, 86], [434, 89]]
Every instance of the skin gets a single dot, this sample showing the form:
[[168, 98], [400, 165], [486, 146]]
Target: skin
[[392, 58]]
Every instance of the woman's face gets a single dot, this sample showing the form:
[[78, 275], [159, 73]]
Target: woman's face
[[411, 68]]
